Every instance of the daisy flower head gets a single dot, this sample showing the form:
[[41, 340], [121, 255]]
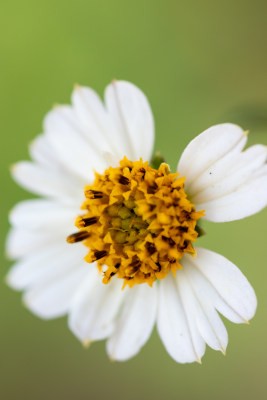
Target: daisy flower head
[[111, 241]]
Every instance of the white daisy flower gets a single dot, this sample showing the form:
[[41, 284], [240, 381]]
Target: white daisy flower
[[136, 228]]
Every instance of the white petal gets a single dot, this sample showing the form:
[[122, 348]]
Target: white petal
[[188, 303], [43, 153], [97, 125], [178, 335], [209, 147], [207, 320], [52, 299], [40, 180], [46, 264], [134, 324], [21, 242], [222, 284], [245, 200], [130, 111], [190, 307], [77, 154], [228, 174], [94, 307], [44, 215]]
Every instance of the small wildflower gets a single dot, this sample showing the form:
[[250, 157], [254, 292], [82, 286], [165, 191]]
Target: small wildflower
[[132, 263]]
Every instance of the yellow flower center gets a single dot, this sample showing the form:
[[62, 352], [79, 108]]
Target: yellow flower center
[[138, 222]]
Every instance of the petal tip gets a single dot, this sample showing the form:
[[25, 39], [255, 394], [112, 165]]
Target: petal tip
[[13, 168], [223, 351], [87, 343]]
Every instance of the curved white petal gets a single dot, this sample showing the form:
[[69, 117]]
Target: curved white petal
[[207, 321], [45, 264], [243, 201], [203, 321], [187, 316], [94, 307], [22, 242], [227, 174], [63, 131], [222, 284], [44, 215], [52, 299], [39, 225], [43, 153], [134, 324], [98, 127], [209, 147], [47, 182], [175, 324], [190, 311], [131, 114], [221, 179]]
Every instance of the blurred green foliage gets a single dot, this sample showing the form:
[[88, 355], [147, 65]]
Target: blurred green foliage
[[200, 63]]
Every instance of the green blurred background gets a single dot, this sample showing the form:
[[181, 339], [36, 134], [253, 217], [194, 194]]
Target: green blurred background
[[200, 63]]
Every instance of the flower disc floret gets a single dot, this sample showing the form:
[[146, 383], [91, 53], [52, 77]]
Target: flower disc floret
[[138, 222]]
